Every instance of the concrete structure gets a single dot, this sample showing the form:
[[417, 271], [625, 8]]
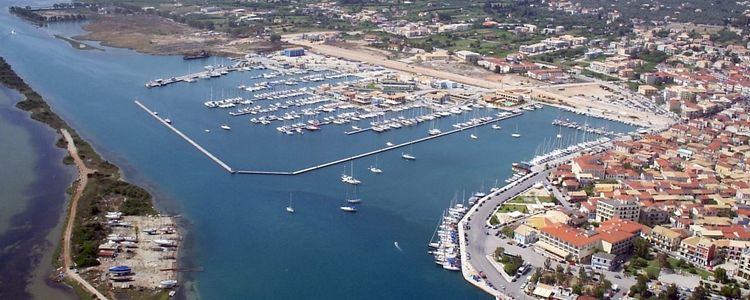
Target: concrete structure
[[603, 261], [294, 52], [524, 234], [665, 239], [617, 209], [698, 250]]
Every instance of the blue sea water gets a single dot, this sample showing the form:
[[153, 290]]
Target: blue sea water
[[239, 232]]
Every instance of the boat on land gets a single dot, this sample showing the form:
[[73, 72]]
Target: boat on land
[[167, 284]]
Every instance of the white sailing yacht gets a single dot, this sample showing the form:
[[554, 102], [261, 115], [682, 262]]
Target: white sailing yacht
[[289, 208], [516, 134], [355, 199], [375, 168], [350, 179]]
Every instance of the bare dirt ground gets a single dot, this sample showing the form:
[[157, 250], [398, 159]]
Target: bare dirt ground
[[150, 34], [146, 259]]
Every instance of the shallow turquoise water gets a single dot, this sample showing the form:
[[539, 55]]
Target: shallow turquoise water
[[239, 231]]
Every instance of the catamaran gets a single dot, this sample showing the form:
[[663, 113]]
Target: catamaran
[[289, 208]]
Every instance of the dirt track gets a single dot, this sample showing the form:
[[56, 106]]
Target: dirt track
[[83, 173]]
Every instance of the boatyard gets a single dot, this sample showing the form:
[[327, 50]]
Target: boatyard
[[141, 252]]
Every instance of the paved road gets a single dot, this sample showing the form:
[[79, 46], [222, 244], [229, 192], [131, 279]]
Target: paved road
[[480, 244], [481, 240], [83, 173]]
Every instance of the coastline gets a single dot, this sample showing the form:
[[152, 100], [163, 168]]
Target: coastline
[[106, 175]]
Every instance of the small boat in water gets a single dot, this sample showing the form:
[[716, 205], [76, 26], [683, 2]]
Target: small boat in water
[[348, 208], [225, 127], [289, 208], [407, 156], [495, 126], [375, 168], [473, 136], [389, 144], [168, 121], [434, 131]]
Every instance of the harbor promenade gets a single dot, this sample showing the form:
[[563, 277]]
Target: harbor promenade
[[478, 244]]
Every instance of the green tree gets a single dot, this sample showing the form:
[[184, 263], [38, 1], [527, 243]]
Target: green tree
[[641, 248], [671, 293], [699, 293], [721, 275]]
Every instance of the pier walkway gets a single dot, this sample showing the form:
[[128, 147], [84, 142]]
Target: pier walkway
[[186, 138], [316, 167]]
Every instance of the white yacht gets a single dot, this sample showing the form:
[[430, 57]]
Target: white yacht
[[473, 136], [407, 156], [289, 208], [348, 208], [434, 131], [225, 127]]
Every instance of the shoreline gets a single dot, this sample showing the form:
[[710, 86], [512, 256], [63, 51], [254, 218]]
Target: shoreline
[[106, 174]]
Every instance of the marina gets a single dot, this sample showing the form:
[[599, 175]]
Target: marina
[[217, 203], [323, 165]]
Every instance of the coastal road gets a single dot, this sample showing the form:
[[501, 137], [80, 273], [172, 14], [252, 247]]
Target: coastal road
[[83, 175], [480, 240], [482, 243]]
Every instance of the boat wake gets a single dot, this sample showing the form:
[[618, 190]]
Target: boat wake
[[395, 244]]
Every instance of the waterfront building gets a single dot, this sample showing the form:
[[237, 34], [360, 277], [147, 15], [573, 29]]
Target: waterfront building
[[563, 241], [623, 208]]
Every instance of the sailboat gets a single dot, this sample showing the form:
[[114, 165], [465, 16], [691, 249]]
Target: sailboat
[[355, 198], [516, 134], [375, 168], [13, 32], [348, 208], [349, 178], [225, 127], [407, 156], [496, 126], [289, 208]]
